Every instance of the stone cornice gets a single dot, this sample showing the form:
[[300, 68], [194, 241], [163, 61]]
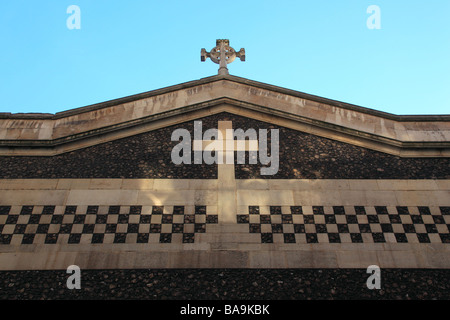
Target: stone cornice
[[48, 134]]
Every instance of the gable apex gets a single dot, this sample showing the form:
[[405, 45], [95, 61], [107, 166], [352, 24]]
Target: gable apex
[[401, 135]]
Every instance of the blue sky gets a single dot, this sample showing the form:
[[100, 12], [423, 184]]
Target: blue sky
[[318, 47]]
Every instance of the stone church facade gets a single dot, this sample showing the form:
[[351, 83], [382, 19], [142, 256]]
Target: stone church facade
[[97, 186]]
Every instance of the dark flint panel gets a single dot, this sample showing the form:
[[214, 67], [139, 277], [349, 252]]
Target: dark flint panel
[[148, 156]]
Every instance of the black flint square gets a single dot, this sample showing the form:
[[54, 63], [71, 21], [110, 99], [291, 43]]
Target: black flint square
[[57, 219], [311, 238], [330, 219], [135, 209], [401, 237], [286, 218], [28, 239], [296, 210], [12, 219], [165, 238], [65, 228], [79, 219], [188, 237], [70, 210], [88, 228], [275, 210], [212, 219], [111, 228], [92, 210], [321, 228], [157, 210], [255, 228], [123, 218], [114, 210], [177, 228], [74, 238], [417, 219], [438, 220], [101, 219], [424, 211], [431, 228], [145, 219], [351, 219], [334, 238], [318, 210], [26, 210], [5, 238], [339, 210], [378, 237], [42, 229], [403, 210], [265, 219], [445, 238], [4, 210], [34, 219], [386, 228], [51, 238], [241, 218], [364, 228], [178, 210], [266, 238], [155, 228], [308, 219], [409, 228], [381, 210], [289, 238], [20, 228], [120, 237], [277, 228], [200, 209], [142, 238], [423, 238], [48, 210], [200, 228], [356, 238], [97, 238], [299, 228], [394, 218]]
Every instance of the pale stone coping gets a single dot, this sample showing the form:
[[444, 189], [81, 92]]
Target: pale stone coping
[[242, 184], [135, 256], [59, 192], [232, 87], [338, 121], [323, 129]]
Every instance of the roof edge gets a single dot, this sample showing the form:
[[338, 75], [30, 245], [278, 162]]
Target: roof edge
[[190, 84]]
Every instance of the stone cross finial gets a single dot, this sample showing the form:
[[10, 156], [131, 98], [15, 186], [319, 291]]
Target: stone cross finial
[[223, 54]]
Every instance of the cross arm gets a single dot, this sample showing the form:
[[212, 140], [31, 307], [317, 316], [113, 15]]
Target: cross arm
[[241, 54]]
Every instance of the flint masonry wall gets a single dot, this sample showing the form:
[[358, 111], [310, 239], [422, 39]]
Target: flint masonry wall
[[96, 187]]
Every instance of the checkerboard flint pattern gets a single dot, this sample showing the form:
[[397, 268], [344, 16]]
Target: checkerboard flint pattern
[[114, 224], [349, 225]]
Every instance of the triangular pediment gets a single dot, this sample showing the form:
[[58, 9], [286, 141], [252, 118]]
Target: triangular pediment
[[48, 135]]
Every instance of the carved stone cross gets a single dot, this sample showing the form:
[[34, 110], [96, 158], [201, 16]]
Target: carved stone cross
[[225, 147], [223, 54]]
